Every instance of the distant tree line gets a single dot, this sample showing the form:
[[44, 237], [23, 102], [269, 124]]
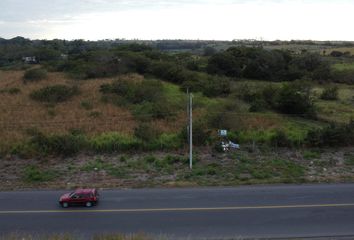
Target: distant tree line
[[274, 65]]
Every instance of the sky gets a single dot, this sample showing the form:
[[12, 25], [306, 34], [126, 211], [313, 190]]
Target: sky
[[178, 19]]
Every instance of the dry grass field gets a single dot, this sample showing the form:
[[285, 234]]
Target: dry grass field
[[18, 112]]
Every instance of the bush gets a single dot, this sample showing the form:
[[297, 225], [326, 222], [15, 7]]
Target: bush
[[86, 104], [146, 132], [280, 139], [14, 91], [135, 92], [170, 72], [295, 98], [158, 110], [330, 93], [65, 145], [335, 135], [147, 98], [35, 75], [11, 91], [201, 133], [55, 93]]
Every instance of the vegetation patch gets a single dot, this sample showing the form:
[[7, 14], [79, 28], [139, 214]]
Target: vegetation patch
[[114, 142], [308, 154], [12, 91], [35, 74], [333, 135], [86, 104], [33, 174], [54, 94], [349, 160], [330, 93], [147, 98]]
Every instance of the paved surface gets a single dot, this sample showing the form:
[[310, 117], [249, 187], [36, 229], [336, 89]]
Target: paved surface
[[250, 211]]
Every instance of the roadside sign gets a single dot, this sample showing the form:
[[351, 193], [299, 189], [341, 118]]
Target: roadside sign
[[222, 133]]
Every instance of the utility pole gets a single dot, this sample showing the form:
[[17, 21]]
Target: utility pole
[[188, 115], [190, 131]]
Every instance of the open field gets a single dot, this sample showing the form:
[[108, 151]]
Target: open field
[[341, 49], [86, 111], [341, 110], [343, 67]]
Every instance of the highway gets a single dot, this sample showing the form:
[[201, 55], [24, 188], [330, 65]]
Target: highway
[[324, 210]]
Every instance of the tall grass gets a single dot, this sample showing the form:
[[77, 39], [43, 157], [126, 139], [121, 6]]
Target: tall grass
[[114, 142]]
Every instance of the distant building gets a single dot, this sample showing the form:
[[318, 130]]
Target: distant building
[[30, 60]]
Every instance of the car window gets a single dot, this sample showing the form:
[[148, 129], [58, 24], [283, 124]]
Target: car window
[[75, 196], [82, 196]]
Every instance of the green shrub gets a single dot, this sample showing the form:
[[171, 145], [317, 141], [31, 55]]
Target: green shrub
[[260, 98], [123, 159], [135, 92], [65, 145], [11, 91], [150, 159], [295, 98], [201, 133], [55, 93], [33, 174], [311, 154], [35, 74], [146, 132], [330, 93], [258, 105], [147, 98], [153, 110], [175, 159], [169, 141], [280, 139], [14, 91], [25, 150], [334, 135], [86, 104]]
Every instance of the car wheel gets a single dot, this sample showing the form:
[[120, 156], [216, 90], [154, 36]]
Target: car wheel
[[89, 204], [65, 204]]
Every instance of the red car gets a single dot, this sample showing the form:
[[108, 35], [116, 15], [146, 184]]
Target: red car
[[86, 197]]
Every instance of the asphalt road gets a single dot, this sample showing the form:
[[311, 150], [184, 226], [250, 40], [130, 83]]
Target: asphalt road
[[249, 211]]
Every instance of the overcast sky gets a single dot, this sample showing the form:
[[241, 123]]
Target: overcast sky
[[178, 19]]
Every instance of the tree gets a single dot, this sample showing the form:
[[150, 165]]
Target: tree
[[295, 98], [224, 64]]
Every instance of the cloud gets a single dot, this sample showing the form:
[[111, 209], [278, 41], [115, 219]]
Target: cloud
[[197, 19]]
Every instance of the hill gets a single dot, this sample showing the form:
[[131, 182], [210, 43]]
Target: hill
[[83, 100]]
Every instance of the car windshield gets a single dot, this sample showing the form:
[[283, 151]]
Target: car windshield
[[71, 194]]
